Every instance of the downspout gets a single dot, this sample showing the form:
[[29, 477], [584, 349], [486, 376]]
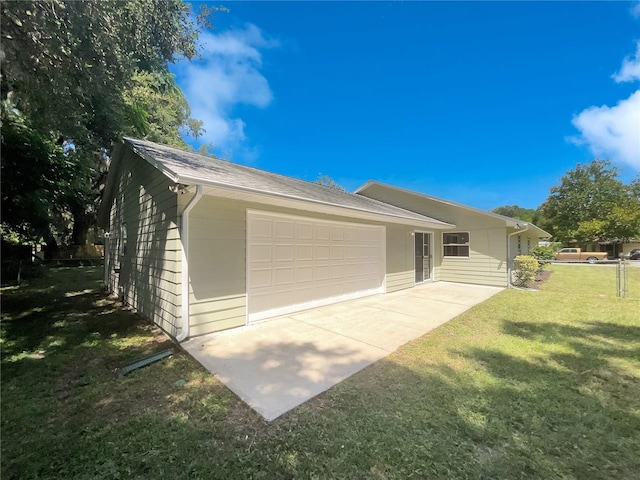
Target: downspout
[[184, 244], [107, 259], [509, 259]]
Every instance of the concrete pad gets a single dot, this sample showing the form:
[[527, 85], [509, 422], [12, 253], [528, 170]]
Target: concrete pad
[[277, 365], [281, 363], [380, 328]]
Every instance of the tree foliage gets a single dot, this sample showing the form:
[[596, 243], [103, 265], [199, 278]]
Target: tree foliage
[[75, 76], [34, 173], [67, 64], [514, 211], [591, 203], [157, 109]]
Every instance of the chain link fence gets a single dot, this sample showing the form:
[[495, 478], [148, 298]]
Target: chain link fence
[[627, 281]]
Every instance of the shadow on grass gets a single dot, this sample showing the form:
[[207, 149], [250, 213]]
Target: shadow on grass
[[563, 406], [566, 409], [52, 318]]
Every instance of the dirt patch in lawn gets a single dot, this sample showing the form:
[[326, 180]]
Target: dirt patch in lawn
[[542, 277]]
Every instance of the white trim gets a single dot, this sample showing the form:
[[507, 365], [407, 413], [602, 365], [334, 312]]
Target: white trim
[[468, 245], [184, 264], [275, 312], [107, 259], [288, 201], [431, 253], [509, 221], [155, 163]]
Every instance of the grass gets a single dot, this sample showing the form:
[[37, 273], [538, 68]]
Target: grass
[[526, 385]]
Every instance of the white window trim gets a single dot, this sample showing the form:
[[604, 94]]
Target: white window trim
[[468, 245]]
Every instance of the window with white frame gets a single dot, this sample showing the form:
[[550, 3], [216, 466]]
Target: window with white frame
[[455, 244]]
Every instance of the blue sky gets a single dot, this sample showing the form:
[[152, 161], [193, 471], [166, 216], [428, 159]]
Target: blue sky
[[483, 103]]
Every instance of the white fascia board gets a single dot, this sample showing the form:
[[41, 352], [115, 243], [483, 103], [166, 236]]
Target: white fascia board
[[509, 222], [173, 176], [266, 198]]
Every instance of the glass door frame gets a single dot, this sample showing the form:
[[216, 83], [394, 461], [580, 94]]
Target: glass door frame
[[430, 257]]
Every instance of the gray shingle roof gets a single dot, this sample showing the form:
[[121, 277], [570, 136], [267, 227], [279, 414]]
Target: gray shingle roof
[[194, 169]]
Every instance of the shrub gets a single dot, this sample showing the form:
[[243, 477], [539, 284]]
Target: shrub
[[525, 269], [543, 252]]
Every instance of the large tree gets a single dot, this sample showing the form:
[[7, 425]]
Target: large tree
[[76, 75], [514, 211], [591, 204]]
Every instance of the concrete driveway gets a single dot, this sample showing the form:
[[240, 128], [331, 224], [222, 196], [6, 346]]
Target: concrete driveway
[[281, 363]]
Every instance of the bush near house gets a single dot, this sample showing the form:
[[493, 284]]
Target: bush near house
[[525, 269], [542, 252]]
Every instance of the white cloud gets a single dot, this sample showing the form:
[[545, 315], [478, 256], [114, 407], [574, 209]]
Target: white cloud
[[630, 69], [635, 10], [227, 75], [612, 132]]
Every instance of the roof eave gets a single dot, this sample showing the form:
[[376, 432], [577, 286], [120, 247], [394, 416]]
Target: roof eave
[[509, 221], [219, 188], [173, 176]]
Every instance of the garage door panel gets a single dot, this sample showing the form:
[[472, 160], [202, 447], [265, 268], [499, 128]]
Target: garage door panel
[[296, 262], [304, 253], [323, 252], [321, 273], [304, 274], [285, 276], [322, 232], [284, 253], [351, 270], [284, 230], [304, 231], [363, 236], [352, 252], [337, 234], [261, 253], [350, 234], [260, 278], [337, 272], [261, 228]]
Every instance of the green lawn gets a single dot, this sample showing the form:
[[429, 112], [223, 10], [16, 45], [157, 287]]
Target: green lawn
[[526, 385]]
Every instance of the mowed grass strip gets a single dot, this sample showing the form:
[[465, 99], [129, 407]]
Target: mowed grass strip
[[526, 385]]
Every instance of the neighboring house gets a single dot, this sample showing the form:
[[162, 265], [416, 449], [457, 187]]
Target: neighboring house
[[197, 244], [614, 248], [481, 248]]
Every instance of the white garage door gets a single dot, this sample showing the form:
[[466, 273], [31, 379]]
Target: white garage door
[[294, 263]]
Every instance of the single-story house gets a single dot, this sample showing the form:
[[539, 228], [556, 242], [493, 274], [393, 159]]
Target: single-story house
[[477, 250], [614, 248], [198, 244]]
